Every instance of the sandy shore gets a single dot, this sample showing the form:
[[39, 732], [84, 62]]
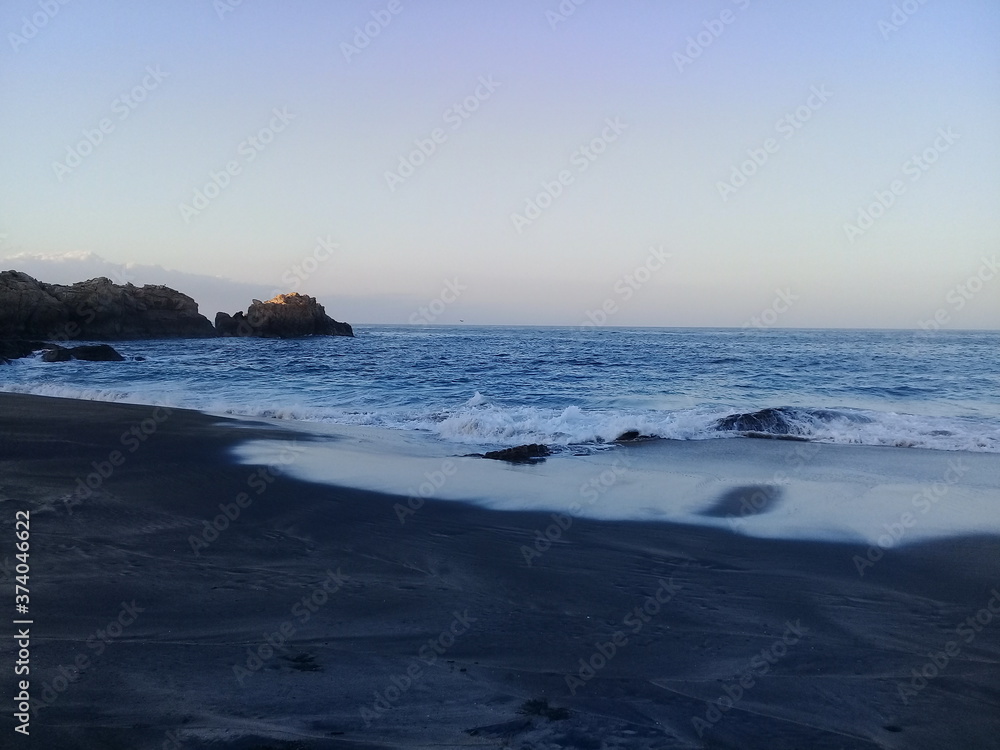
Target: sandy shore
[[184, 600]]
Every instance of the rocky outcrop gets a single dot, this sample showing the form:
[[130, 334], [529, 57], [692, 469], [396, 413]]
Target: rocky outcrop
[[96, 353], [773, 421], [16, 349], [285, 316], [56, 354], [521, 454], [226, 324], [96, 309]]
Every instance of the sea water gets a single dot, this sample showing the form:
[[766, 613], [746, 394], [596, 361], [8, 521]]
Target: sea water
[[576, 389]]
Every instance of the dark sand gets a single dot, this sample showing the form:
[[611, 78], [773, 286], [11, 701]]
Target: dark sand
[[167, 679]]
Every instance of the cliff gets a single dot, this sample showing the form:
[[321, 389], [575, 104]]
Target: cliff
[[95, 310]]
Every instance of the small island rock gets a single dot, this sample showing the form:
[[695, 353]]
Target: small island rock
[[285, 316]]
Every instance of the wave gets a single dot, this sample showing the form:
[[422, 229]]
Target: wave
[[864, 427], [481, 422], [484, 422]]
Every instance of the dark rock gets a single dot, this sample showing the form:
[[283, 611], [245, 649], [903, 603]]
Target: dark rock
[[240, 324], [772, 421], [56, 354], [285, 316], [97, 353], [96, 310], [225, 325], [520, 454], [19, 348]]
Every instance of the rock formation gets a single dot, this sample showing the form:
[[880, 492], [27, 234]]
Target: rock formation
[[16, 349], [284, 316], [96, 310], [96, 353], [521, 454]]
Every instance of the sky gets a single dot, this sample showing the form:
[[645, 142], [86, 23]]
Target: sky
[[718, 163]]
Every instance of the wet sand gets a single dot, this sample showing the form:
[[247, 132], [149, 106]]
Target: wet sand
[[190, 601]]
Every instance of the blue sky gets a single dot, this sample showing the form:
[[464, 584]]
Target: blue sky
[[767, 148]]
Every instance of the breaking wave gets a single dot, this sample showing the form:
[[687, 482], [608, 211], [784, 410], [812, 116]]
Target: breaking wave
[[488, 387], [481, 422]]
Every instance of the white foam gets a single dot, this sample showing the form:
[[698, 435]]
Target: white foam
[[826, 492], [480, 422]]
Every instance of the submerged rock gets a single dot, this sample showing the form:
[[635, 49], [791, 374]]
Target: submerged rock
[[285, 316], [97, 309], [521, 453], [18, 348], [772, 421]]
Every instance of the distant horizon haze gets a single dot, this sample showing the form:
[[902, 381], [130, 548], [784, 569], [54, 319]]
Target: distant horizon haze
[[214, 294]]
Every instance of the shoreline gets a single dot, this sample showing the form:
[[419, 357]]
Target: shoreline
[[438, 629], [765, 488]]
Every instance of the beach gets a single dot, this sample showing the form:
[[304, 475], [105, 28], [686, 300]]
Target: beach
[[184, 596]]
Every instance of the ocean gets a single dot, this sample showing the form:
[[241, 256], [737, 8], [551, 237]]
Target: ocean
[[576, 389]]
